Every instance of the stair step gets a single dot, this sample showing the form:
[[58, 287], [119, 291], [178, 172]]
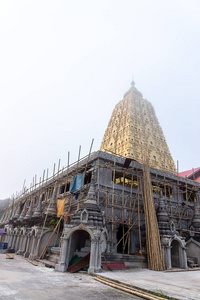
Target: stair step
[[47, 263], [194, 265], [55, 251]]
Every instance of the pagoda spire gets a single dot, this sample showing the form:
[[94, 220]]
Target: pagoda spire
[[134, 132]]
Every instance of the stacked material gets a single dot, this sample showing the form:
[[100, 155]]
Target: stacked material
[[153, 244]]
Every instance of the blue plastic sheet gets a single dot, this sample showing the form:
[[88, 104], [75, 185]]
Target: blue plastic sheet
[[3, 246], [78, 183]]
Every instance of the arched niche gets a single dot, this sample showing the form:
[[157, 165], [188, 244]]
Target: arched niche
[[80, 243], [80, 227], [175, 254], [84, 240], [178, 253], [84, 216], [45, 238]]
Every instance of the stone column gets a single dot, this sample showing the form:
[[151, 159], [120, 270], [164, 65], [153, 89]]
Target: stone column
[[168, 258], [21, 246], [183, 258], [17, 242], [10, 241], [93, 257], [30, 245], [36, 251], [13, 242], [34, 243], [24, 243], [6, 238], [64, 255], [27, 246], [98, 256]]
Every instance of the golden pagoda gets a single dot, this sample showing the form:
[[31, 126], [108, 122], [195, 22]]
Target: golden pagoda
[[134, 132]]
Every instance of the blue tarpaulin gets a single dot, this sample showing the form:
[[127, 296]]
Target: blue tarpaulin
[[3, 246], [78, 183]]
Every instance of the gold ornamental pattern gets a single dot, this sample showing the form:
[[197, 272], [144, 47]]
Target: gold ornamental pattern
[[134, 131]]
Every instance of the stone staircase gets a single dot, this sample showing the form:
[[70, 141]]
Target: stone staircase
[[130, 261], [192, 262], [52, 257]]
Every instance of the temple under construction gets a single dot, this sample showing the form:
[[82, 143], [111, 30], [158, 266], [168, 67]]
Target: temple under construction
[[124, 203]]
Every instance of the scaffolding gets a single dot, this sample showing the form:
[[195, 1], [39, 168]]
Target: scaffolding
[[121, 193]]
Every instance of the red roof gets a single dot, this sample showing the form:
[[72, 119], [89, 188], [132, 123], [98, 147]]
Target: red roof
[[189, 172]]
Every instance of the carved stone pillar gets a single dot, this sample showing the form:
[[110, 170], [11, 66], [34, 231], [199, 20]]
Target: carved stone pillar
[[183, 258], [168, 259], [25, 239], [6, 238], [93, 254], [32, 250], [17, 242], [64, 255], [36, 254], [27, 246], [22, 244], [98, 256], [10, 240], [13, 242]]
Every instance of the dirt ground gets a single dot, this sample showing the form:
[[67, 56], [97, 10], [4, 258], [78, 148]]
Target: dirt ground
[[20, 280]]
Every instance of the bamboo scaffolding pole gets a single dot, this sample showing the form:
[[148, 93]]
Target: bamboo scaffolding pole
[[79, 153], [139, 224], [154, 251], [107, 195], [123, 242], [129, 211], [44, 223], [98, 182], [179, 214], [128, 289], [126, 233]]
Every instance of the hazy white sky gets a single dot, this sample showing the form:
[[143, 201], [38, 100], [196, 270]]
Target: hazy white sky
[[65, 64]]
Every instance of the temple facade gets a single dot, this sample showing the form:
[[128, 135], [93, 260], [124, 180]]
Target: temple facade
[[93, 210]]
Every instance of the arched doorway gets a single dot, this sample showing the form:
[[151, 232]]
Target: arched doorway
[[80, 244], [84, 240], [175, 254]]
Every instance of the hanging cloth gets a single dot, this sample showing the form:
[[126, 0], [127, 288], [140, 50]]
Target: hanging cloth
[[78, 183], [60, 207]]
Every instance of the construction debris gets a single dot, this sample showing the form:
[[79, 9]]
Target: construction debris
[[9, 256]]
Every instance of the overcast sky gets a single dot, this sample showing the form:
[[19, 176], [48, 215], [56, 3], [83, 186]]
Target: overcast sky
[[64, 65]]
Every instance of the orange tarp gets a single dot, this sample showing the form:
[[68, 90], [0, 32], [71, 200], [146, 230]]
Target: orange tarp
[[60, 207]]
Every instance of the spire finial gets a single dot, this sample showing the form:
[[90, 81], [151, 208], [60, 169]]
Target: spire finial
[[132, 82]]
